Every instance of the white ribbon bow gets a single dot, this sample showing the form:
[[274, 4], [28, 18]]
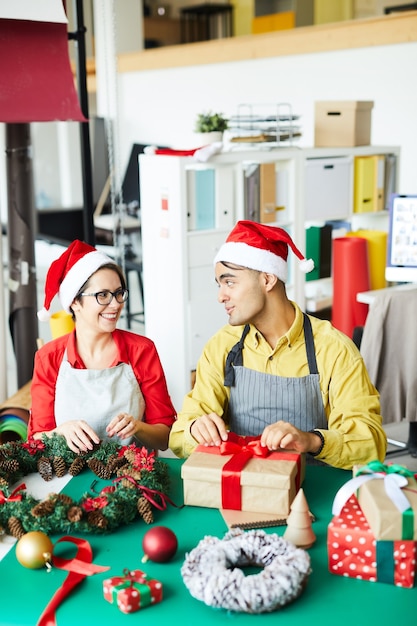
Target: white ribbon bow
[[392, 483]]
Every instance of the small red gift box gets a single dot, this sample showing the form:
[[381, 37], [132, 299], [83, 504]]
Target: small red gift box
[[133, 591], [354, 552]]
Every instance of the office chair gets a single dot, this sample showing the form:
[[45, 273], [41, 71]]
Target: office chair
[[388, 344]]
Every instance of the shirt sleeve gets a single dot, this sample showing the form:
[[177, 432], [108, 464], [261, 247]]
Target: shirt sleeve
[[147, 367], [45, 373], [209, 395], [355, 435]]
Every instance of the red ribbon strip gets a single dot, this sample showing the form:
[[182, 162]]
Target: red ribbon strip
[[15, 496], [147, 492], [78, 569], [243, 449]]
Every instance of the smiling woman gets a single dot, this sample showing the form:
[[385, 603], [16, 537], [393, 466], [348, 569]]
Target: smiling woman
[[97, 383]]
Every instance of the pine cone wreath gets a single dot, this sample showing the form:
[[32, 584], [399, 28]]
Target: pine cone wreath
[[45, 468], [145, 510], [99, 468], [15, 527], [96, 518], [59, 465], [76, 466]]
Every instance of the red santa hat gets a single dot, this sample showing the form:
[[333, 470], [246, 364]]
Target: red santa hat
[[261, 247], [68, 274]]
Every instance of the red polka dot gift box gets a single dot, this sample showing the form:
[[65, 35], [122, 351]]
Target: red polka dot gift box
[[353, 550], [132, 591]]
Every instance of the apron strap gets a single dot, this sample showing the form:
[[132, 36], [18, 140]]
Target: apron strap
[[310, 349], [235, 357]]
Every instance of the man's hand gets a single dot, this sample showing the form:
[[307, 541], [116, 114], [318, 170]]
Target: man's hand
[[209, 430], [287, 437]]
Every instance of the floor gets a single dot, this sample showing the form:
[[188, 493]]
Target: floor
[[46, 252]]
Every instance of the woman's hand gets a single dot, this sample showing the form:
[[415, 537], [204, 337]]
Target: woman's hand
[[79, 436], [123, 426]]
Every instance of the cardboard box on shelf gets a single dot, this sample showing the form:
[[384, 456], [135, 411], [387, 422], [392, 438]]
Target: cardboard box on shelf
[[342, 123]]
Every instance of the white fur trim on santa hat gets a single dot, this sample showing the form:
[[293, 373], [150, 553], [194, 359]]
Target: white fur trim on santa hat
[[79, 274], [240, 253]]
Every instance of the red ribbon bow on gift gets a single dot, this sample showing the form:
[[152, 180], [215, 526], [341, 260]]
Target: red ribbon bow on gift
[[243, 449], [15, 496]]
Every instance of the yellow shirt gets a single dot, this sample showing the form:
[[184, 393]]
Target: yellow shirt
[[351, 403]]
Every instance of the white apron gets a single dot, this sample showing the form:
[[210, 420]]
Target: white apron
[[96, 396]]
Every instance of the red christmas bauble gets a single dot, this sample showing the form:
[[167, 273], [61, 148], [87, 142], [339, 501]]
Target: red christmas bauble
[[159, 544], [34, 550]]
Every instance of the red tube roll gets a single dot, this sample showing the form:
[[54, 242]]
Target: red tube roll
[[350, 276]]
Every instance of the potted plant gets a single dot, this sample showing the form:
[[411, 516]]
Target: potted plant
[[211, 126]]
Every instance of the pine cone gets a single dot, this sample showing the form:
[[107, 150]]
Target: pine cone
[[123, 470], [114, 462], [15, 527], [46, 507], [76, 466], [99, 468], [74, 514], [96, 518], [45, 468], [63, 498], [9, 465], [145, 510], [3, 482], [130, 456], [59, 466]]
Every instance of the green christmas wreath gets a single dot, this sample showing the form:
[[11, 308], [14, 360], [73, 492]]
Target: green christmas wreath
[[138, 483]]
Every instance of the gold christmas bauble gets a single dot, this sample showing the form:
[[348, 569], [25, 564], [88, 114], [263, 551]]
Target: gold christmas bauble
[[34, 550]]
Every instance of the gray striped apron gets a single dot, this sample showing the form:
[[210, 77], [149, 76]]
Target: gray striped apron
[[258, 399]]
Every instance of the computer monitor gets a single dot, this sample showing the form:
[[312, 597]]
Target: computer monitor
[[401, 264]]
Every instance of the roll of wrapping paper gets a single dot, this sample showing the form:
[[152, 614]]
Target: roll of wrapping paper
[[13, 425], [350, 276], [61, 323], [377, 255]]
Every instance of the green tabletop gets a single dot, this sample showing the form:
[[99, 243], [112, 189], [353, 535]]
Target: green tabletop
[[328, 600]]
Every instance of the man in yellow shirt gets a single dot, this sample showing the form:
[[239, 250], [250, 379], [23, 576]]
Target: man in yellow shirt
[[275, 372]]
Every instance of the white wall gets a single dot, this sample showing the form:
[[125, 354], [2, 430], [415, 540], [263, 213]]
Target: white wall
[[160, 106]]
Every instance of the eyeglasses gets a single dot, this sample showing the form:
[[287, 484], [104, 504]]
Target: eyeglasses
[[105, 297]]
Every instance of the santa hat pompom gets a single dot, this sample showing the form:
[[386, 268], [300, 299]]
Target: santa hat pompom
[[261, 247], [306, 266], [68, 273], [44, 315]]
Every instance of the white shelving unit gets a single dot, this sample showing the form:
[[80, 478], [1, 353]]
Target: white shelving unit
[[180, 294]]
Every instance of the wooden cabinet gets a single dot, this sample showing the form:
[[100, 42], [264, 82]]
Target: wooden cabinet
[[161, 31], [312, 185]]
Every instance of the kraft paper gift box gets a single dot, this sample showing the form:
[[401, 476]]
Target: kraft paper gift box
[[387, 495], [233, 476], [354, 552], [132, 591]]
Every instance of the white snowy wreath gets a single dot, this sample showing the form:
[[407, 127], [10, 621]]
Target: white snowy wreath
[[211, 571]]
